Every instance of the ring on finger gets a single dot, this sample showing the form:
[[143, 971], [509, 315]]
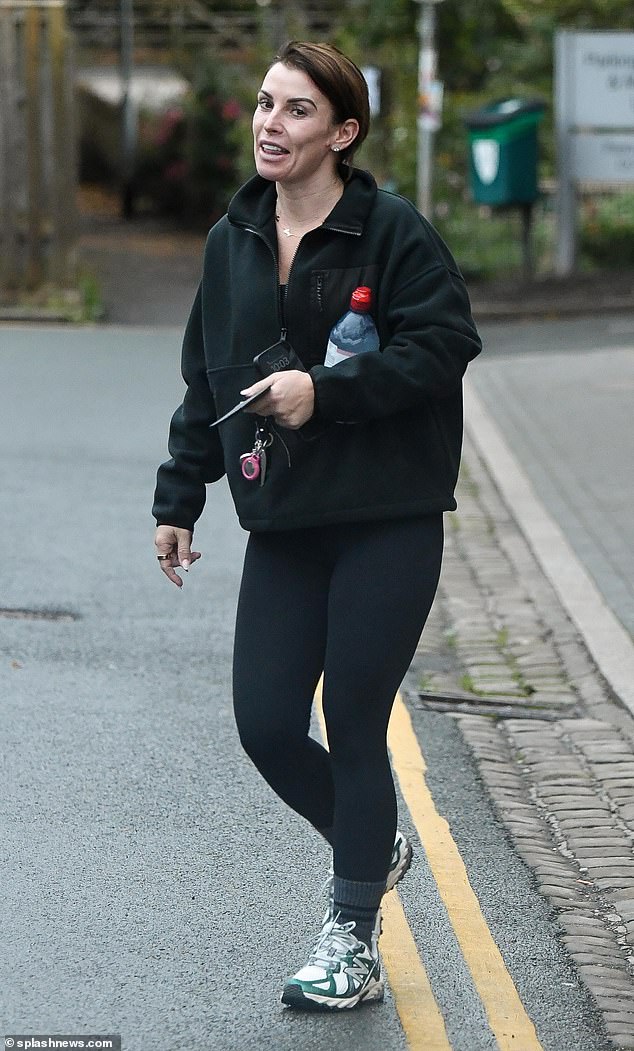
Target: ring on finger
[[163, 558]]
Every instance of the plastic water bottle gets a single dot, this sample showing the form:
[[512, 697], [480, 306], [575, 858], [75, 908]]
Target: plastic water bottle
[[355, 332]]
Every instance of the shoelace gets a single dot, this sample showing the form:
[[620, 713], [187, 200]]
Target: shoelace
[[334, 939]]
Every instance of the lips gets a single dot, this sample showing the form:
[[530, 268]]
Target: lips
[[271, 149]]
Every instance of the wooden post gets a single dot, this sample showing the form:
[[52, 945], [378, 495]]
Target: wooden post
[[9, 153], [37, 146], [34, 267], [63, 262]]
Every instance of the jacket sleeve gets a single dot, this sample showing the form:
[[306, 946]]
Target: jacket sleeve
[[427, 341], [196, 452]]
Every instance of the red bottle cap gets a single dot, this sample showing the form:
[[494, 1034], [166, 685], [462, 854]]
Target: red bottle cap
[[361, 299]]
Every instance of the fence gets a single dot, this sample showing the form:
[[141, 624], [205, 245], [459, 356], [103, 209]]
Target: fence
[[37, 146]]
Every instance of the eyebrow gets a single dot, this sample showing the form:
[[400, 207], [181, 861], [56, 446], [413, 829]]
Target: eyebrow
[[301, 99]]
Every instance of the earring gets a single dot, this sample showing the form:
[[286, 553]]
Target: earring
[[336, 149]]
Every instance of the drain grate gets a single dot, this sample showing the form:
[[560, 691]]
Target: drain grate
[[38, 614], [500, 707]]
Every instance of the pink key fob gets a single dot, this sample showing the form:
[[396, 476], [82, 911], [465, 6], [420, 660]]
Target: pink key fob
[[250, 466]]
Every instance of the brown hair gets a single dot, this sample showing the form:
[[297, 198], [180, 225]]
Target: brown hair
[[338, 79]]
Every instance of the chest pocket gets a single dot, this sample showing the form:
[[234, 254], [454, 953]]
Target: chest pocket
[[330, 292]]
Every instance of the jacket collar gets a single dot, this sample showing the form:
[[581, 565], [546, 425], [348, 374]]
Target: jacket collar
[[254, 204]]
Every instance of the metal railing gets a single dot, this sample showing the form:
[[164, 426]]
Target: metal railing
[[225, 26]]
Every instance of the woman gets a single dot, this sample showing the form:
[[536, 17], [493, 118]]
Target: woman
[[340, 474]]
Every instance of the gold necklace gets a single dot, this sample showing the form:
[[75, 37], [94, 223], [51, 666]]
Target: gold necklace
[[287, 231]]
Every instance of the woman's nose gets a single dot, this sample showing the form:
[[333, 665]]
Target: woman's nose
[[272, 122]]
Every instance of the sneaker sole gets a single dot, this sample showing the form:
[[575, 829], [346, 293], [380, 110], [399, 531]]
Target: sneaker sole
[[401, 869], [295, 997]]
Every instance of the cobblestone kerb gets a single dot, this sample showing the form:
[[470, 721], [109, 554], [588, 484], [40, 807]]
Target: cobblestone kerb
[[554, 749]]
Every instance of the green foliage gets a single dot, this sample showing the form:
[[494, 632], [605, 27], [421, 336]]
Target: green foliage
[[197, 154], [487, 51], [92, 308], [606, 235], [79, 304]]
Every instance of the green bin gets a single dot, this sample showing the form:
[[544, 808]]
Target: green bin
[[503, 151]]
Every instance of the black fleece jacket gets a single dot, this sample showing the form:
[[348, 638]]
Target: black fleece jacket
[[386, 438]]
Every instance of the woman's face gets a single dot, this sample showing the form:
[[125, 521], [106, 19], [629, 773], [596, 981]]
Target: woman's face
[[293, 128]]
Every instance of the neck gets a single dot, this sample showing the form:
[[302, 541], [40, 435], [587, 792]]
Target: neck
[[299, 204]]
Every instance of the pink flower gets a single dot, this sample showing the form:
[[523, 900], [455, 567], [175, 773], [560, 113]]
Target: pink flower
[[169, 122], [231, 109]]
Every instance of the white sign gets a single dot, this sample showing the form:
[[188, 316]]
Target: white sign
[[430, 111], [603, 158], [601, 88], [594, 120]]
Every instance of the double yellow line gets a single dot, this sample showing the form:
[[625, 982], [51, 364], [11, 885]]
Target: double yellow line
[[418, 1010]]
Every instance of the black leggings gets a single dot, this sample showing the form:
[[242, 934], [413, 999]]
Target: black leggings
[[350, 600]]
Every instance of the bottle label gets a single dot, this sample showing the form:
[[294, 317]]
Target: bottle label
[[335, 354]]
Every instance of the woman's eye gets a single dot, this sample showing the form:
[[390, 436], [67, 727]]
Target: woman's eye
[[297, 111], [264, 103]]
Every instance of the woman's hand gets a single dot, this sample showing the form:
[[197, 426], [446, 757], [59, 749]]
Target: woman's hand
[[174, 543], [289, 398]]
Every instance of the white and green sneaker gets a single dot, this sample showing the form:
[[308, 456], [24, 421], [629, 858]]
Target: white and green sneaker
[[341, 972]]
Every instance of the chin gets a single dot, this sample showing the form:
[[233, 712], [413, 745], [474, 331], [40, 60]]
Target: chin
[[267, 171]]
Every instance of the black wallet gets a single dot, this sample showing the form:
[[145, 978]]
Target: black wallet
[[278, 358]]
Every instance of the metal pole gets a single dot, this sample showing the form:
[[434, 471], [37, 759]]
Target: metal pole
[[426, 76], [528, 258], [566, 193], [128, 111]]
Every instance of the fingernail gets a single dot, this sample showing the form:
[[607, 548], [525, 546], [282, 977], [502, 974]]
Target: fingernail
[[244, 391], [185, 565]]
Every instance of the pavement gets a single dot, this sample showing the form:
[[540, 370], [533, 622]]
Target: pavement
[[527, 644], [554, 745], [536, 608]]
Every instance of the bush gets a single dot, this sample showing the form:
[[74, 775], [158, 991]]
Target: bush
[[188, 155], [606, 230]]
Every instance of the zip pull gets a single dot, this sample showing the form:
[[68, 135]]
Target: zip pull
[[283, 333]]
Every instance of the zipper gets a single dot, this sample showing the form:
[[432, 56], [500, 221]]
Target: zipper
[[340, 230], [284, 332], [290, 271], [283, 329], [252, 230], [319, 289]]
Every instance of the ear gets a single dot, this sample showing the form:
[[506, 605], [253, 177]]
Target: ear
[[345, 135]]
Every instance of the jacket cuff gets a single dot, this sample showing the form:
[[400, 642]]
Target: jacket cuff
[[173, 521], [328, 407]]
